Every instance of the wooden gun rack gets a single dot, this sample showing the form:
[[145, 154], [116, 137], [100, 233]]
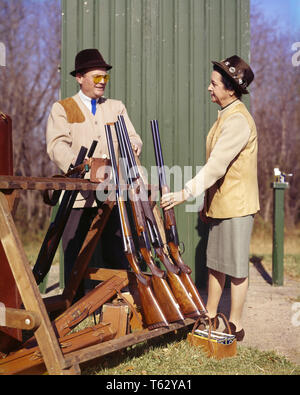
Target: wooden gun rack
[[36, 309]]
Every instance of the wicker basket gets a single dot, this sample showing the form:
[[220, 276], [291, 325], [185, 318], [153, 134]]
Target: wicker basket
[[215, 344]]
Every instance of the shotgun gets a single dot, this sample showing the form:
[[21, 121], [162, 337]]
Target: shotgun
[[186, 303], [170, 223], [160, 285], [57, 226], [152, 312]]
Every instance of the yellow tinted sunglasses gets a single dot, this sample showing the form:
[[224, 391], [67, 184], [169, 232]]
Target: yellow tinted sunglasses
[[100, 78]]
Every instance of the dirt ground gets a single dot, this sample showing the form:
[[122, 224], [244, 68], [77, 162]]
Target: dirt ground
[[271, 314]]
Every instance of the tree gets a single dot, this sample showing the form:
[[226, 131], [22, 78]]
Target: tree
[[29, 83], [275, 102]]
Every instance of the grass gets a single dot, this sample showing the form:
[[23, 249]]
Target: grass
[[171, 353], [262, 245], [32, 243]]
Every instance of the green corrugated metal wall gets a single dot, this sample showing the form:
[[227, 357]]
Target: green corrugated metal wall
[[160, 51]]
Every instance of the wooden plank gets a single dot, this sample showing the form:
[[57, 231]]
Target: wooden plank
[[110, 346], [29, 360], [21, 319], [55, 303], [103, 274], [87, 305], [86, 251], [118, 315], [28, 289], [44, 183]]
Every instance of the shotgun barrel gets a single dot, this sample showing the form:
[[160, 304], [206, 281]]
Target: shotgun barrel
[[57, 226], [186, 303], [170, 222], [160, 285], [152, 312]]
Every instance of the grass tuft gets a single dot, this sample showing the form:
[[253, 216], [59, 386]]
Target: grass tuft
[[172, 354]]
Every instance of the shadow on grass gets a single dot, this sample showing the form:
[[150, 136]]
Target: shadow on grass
[[114, 359], [257, 263]]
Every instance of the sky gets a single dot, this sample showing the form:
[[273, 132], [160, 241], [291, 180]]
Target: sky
[[285, 13]]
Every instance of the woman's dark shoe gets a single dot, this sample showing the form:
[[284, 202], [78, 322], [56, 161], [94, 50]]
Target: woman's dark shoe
[[238, 335]]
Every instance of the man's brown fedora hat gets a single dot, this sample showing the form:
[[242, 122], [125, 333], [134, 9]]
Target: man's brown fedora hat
[[238, 71], [88, 59]]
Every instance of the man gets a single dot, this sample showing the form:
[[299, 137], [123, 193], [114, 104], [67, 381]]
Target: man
[[77, 121]]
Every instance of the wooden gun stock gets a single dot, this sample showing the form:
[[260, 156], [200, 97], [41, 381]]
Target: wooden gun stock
[[160, 285], [170, 223], [187, 305], [152, 312]]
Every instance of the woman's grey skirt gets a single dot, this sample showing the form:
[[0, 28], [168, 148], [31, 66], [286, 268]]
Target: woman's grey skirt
[[228, 245]]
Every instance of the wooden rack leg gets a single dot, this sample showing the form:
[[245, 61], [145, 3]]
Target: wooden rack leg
[[29, 292], [86, 252]]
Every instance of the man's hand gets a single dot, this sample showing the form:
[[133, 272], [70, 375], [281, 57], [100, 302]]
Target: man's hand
[[88, 161]]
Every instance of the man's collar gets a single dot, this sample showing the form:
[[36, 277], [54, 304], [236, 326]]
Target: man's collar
[[87, 100], [84, 97]]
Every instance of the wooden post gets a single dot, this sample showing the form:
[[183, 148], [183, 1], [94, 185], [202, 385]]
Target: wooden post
[[9, 338], [55, 360], [278, 232], [29, 291], [86, 252]]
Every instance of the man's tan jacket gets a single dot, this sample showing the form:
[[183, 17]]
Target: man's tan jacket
[[71, 125]]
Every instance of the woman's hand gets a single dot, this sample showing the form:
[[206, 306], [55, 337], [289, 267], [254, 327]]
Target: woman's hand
[[136, 148], [172, 199]]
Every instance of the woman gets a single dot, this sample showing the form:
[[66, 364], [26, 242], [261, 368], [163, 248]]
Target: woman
[[229, 179]]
